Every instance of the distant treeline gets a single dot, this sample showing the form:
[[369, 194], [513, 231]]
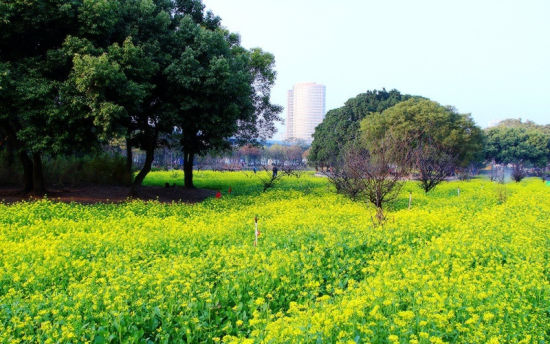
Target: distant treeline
[[363, 120]]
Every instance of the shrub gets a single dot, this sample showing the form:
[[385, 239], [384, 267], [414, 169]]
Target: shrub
[[518, 173], [63, 171]]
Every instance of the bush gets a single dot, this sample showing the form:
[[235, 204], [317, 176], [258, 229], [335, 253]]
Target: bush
[[64, 170], [518, 173], [100, 169]]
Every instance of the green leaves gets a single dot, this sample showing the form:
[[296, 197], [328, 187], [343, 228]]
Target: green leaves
[[423, 121], [136, 69], [98, 18], [341, 125], [219, 88], [518, 143]]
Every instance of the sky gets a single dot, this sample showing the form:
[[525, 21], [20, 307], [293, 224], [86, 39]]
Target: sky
[[484, 57]]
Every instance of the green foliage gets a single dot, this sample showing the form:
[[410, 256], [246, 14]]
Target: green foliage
[[516, 142], [37, 107], [64, 170], [75, 74], [341, 125], [422, 121], [117, 84], [101, 169]]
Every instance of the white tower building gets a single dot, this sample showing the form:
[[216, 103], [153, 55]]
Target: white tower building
[[290, 115], [305, 110]]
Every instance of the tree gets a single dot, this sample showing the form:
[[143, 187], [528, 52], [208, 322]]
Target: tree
[[434, 163], [523, 144], [375, 173], [269, 178], [440, 139], [341, 125], [125, 83], [219, 91], [293, 154], [251, 153], [37, 111]]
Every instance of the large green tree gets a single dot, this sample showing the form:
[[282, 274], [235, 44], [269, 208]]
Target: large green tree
[[439, 139], [220, 91], [341, 126], [76, 73], [122, 83], [37, 112], [519, 143], [423, 120]]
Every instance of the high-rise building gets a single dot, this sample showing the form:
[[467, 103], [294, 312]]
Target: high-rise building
[[305, 110], [290, 115]]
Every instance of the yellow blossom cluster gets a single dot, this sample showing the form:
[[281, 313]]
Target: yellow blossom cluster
[[454, 268]]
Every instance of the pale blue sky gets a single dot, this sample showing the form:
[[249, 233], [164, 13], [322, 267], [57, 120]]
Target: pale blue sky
[[485, 57]]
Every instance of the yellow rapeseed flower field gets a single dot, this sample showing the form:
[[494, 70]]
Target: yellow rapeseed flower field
[[468, 268]]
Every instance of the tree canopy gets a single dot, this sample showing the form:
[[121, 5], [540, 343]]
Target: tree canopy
[[341, 125], [219, 91], [520, 143], [424, 121], [37, 111], [78, 73]]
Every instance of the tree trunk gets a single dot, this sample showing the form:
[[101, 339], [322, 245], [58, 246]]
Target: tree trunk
[[149, 157], [27, 171], [129, 157], [37, 174], [188, 169]]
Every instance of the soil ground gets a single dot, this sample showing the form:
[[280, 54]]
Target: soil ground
[[92, 194]]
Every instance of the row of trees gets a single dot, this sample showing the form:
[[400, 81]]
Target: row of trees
[[75, 74], [293, 154], [249, 155], [377, 150], [369, 115]]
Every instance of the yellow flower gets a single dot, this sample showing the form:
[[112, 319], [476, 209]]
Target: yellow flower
[[444, 264], [393, 338], [488, 316], [259, 301]]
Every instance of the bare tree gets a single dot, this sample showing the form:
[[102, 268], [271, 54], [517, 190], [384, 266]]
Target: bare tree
[[273, 174], [519, 172], [344, 181], [292, 171], [377, 175], [268, 179], [434, 163]]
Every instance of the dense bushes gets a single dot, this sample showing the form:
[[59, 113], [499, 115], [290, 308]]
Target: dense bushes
[[63, 171]]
